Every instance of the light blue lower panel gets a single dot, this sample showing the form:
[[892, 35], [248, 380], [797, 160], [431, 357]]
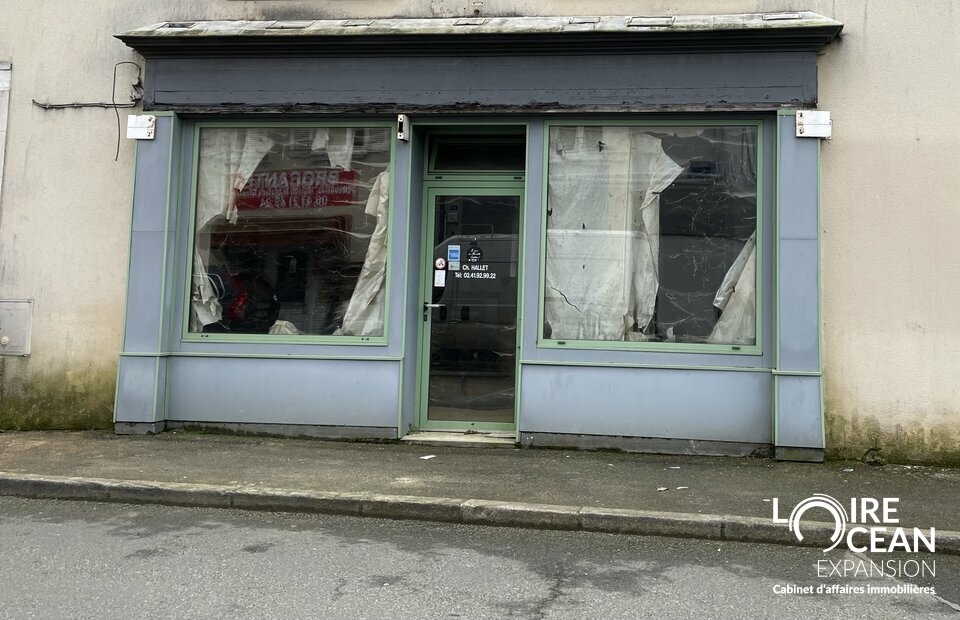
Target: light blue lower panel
[[647, 402], [144, 308], [284, 391], [136, 389], [799, 418], [798, 302]]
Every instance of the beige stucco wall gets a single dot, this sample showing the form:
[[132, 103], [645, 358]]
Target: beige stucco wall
[[890, 219]]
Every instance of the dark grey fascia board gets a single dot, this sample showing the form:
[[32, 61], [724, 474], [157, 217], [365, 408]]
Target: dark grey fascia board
[[512, 36]]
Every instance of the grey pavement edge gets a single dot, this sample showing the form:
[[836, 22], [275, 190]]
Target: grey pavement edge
[[444, 509]]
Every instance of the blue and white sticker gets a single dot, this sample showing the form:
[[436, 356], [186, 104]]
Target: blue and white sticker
[[453, 253]]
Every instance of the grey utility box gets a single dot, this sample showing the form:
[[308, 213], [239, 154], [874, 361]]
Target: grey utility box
[[15, 317]]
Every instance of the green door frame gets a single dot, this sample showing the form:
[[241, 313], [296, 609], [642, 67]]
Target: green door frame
[[483, 186]]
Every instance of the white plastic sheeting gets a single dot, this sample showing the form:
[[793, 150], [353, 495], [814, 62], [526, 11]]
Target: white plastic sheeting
[[603, 231], [589, 283], [284, 328], [338, 143], [228, 157], [736, 299], [364, 315]]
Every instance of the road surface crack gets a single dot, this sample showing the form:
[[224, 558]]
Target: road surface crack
[[554, 592]]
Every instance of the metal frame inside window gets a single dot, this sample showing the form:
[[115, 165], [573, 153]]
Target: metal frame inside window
[[677, 347], [186, 255]]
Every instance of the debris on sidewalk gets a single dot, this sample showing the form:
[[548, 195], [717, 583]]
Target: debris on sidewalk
[[428, 457], [662, 488]]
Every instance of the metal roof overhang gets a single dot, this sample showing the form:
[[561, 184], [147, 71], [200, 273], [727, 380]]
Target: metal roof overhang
[[751, 62], [753, 32]]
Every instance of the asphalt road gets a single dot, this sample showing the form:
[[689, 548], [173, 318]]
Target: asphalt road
[[85, 560]]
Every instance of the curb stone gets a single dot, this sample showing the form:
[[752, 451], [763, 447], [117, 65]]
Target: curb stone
[[450, 510]]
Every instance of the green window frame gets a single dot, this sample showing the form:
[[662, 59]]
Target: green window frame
[[186, 254], [673, 347]]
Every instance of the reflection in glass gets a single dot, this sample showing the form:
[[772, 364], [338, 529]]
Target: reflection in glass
[[291, 231], [651, 234], [473, 330], [479, 154]]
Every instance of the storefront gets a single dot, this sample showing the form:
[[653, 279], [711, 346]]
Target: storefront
[[590, 231]]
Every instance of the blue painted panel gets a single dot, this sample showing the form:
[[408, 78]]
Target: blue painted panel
[[150, 198], [800, 423], [170, 296], [136, 389], [160, 406], [409, 276], [142, 327], [799, 318], [532, 248], [799, 189], [183, 257], [426, 83], [401, 215], [643, 402], [284, 391], [799, 405]]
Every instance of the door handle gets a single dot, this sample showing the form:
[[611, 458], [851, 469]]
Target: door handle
[[426, 305]]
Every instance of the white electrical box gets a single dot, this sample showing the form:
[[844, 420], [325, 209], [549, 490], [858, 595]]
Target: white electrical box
[[403, 127], [141, 126], [15, 317], [814, 124]]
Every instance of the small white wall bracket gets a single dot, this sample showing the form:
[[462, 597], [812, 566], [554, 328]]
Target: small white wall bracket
[[403, 127], [141, 126], [814, 124]]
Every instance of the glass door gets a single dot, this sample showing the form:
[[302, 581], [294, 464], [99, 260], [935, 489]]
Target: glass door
[[469, 345]]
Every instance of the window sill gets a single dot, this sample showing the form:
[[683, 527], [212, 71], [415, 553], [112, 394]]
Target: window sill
[[656, 347]]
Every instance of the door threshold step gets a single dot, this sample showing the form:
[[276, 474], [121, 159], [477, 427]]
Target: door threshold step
[[481, 439]]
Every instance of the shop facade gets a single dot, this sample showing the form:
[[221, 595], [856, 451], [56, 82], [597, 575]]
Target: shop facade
[[594, 232]]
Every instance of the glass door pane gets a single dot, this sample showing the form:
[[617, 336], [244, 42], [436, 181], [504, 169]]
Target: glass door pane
[[472, 312]]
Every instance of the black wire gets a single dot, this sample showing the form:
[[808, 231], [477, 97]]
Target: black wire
[[92, 104], [101, 104], [113, 97]]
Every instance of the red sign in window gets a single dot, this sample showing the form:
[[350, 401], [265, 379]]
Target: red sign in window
[[299, 189]]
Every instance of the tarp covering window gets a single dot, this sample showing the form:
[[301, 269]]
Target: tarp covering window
[[230, 156], [290, 231], [364, 314], [736, 300], [651, 234], [603, 233]]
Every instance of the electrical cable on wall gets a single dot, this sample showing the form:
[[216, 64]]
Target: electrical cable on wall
[[135, 98]]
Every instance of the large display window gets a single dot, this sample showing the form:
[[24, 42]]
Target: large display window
[[290, 232], [651, 237]]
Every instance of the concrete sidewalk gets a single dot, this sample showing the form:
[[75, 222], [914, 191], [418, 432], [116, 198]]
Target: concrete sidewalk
[[701, 497]]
